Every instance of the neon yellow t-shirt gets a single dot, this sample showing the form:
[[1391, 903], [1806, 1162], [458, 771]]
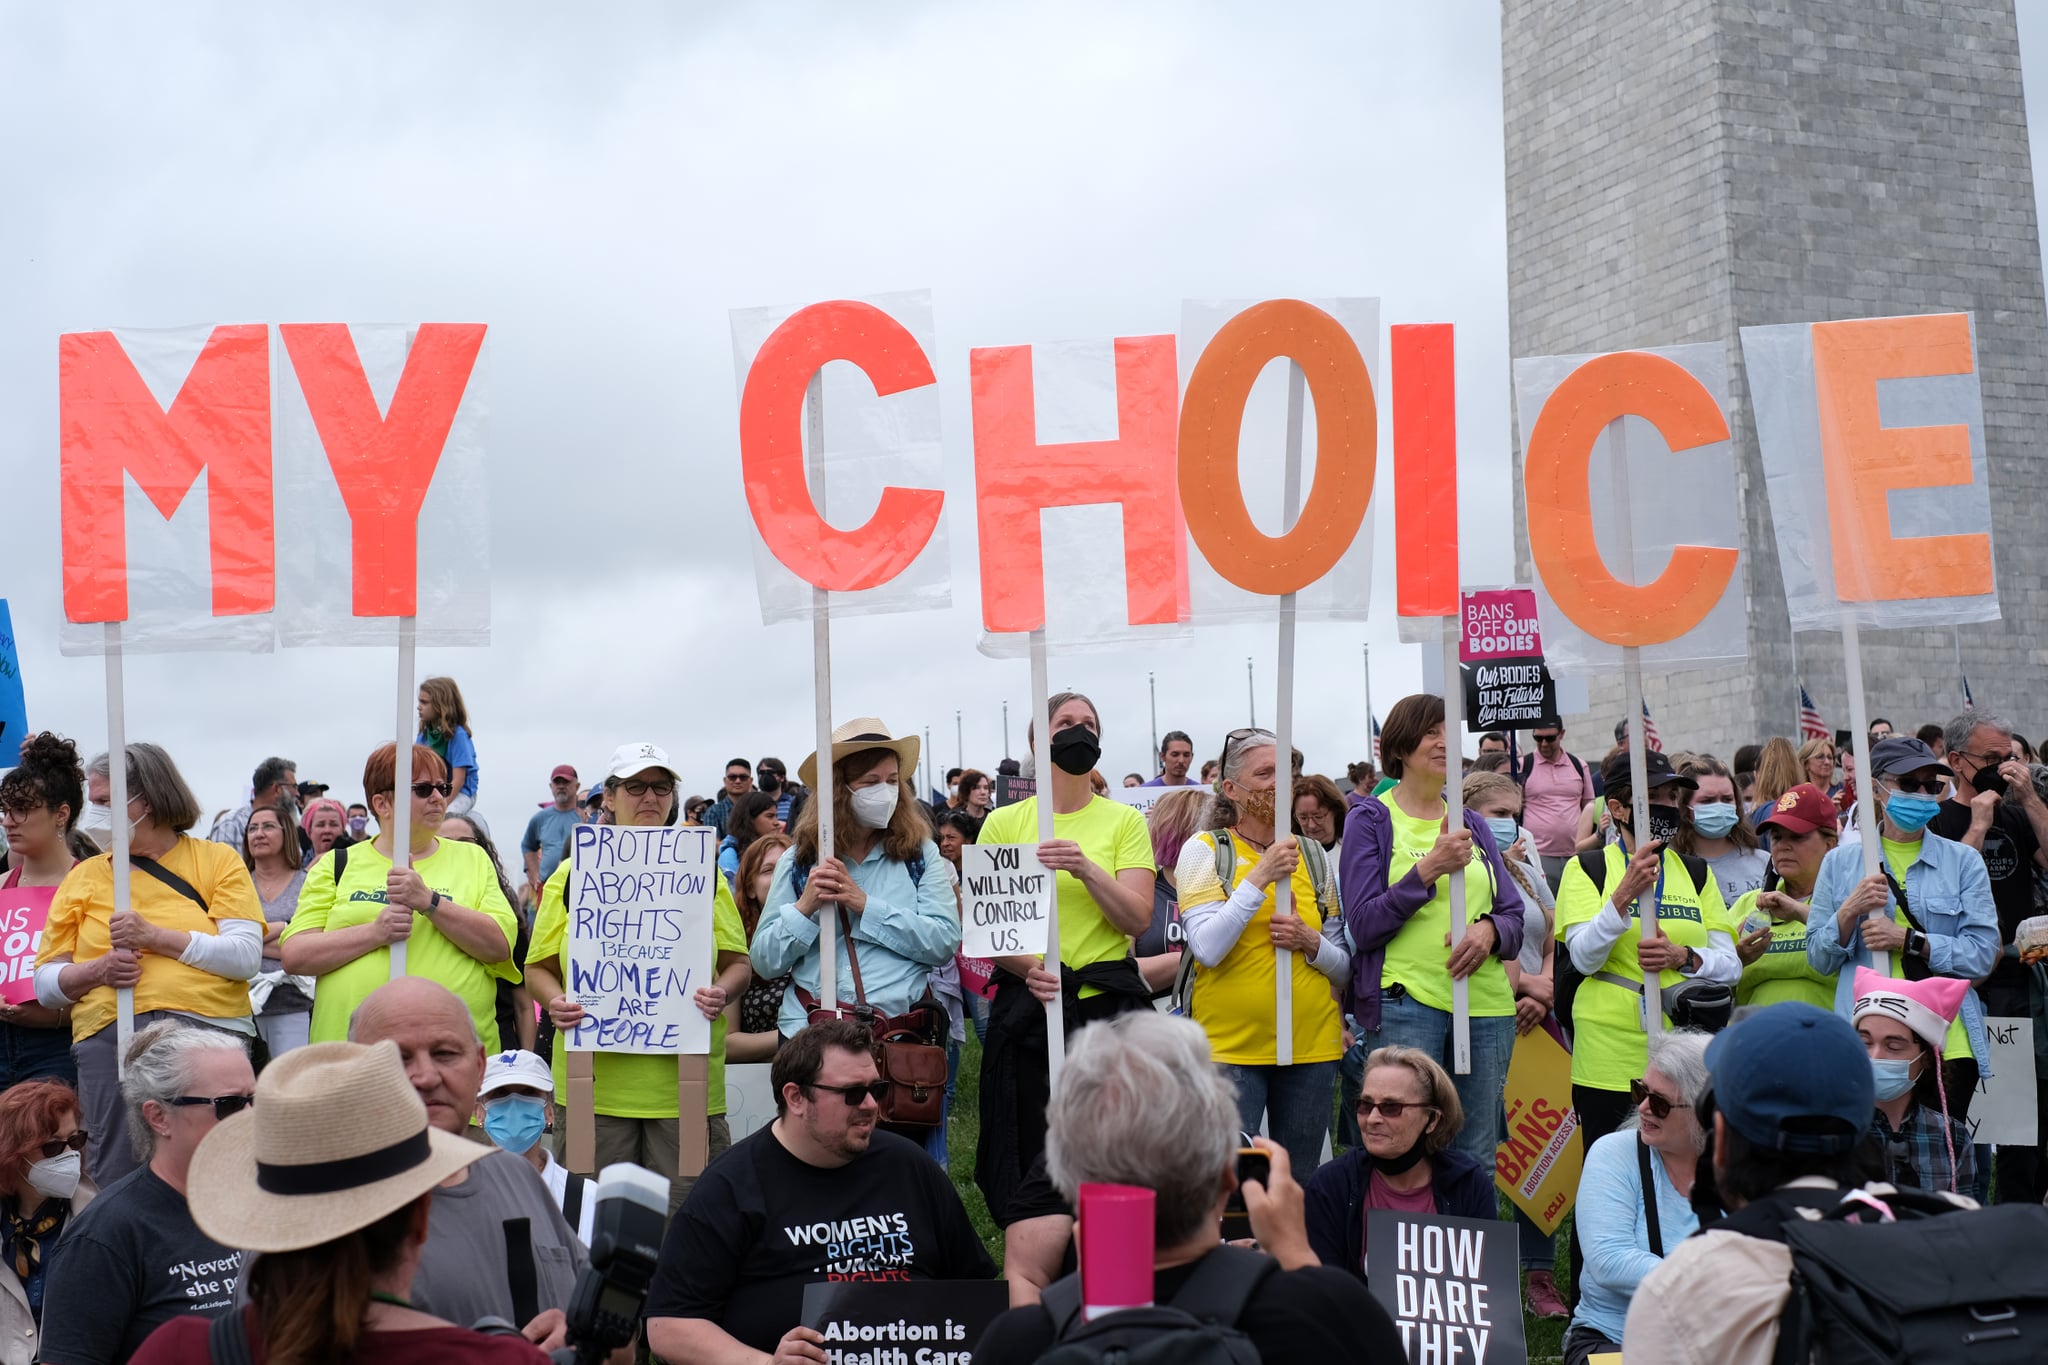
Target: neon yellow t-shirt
[[1234, 1001], [461, 873], [1416, 956], [81, 922], [1114, 837], [634, 1085], [1899, 857], [1782, 973], [1609, 1048]]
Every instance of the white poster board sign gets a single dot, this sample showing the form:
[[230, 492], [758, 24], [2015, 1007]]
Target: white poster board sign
[[1143, 799], [1008, 900], [749, 1098], [2003, 1113], [640, 941]]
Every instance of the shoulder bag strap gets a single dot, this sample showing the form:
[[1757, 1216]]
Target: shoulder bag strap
[[572, 1203], [1650, 1198], [1899, 890], [520, 1273], [168, 878], [340, 862], [860, 995]]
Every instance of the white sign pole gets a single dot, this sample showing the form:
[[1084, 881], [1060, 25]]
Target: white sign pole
[[1372, 754], [1283, 729], [401, 781], [821, 690], [1041, 750], [1454, 819], [117, 800], [1859, 741], [1632, 707]]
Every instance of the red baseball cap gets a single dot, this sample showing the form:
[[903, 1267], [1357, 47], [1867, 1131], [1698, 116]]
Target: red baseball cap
[[1802, 810], [562, 770]]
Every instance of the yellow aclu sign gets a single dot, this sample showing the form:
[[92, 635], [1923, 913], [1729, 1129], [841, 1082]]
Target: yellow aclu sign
[[1537, 1163]]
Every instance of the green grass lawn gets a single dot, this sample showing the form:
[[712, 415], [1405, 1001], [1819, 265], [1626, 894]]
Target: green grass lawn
[[1545, 1338]]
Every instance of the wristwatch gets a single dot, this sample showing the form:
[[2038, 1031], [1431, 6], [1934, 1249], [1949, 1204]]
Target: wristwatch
[[1916, 944], [1693, 961], [433, 904]]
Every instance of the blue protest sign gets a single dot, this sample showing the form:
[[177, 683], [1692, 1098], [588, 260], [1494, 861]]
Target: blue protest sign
[[13, 703]]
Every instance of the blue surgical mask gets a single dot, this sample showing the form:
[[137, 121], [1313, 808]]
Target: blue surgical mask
[[1894, 1078], [516, 1122], [1910, 811], [1505, 831], [1713, 818]]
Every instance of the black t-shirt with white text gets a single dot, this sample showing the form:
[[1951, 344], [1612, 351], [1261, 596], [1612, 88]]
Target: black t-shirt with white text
[[127, 1264], [761, 1224], [2009, 861]]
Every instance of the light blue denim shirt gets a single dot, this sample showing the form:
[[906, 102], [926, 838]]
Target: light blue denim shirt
[[907, 929], [1950, 894], [1614, 1230]]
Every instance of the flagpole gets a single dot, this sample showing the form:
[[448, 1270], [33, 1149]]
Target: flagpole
[[1799, 689], [1250, 695], [1372, 752]]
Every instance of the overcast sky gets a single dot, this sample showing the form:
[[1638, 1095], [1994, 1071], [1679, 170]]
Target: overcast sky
[[601, 187]]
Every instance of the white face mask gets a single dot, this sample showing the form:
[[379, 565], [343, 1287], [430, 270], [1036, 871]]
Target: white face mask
[[96, 817], [873, 806], [55, 1177]]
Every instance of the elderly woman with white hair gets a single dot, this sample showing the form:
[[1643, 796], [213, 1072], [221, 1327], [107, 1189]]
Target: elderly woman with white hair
[[134, 1258], [1635, 1191], [1141, 1103]]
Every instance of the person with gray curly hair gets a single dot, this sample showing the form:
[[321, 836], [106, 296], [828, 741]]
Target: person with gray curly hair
[[1141, 1103], [133, 1258]]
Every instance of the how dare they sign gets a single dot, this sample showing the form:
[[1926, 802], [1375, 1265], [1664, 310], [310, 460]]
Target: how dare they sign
[[640, 937], [1452, 1286], [1008, 904]]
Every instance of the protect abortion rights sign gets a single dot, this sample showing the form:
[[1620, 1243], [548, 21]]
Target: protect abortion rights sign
[[1451, 1285], [903, 1322], [1500, 655], [1008, 904], [640, 937]]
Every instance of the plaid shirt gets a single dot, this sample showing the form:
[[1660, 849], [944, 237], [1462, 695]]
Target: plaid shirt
[[1917, 1156]]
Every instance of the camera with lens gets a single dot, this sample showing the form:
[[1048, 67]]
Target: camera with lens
[[625, 1243]]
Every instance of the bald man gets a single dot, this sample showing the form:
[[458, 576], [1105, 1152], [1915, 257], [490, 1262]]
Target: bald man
[[497, 1246]]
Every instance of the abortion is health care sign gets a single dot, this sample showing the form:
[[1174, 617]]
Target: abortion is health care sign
[[640, 942]]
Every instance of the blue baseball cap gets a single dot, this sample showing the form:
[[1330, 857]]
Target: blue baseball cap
[[1793, 1078]]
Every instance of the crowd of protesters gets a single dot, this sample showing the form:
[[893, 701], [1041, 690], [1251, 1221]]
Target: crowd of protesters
[[267, 1030]]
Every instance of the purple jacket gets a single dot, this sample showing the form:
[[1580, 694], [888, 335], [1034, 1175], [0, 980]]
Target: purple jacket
[[1374, 912]]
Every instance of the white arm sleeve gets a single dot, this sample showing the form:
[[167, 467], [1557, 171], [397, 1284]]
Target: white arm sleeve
[[235, 952], [48, 993], [1333, 958], [1213, 928], [1592, 941], [1719, 961]]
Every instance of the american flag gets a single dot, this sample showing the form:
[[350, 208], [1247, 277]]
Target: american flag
[[1969, 702], [1811, 725], [1650, 736], [1375, 736]]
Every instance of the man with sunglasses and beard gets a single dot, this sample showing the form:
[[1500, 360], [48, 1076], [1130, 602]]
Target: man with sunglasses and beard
[[1929, 910], [819, 1194]]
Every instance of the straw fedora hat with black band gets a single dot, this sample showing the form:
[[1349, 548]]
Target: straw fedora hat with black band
[[865, 732], [337, 1139]]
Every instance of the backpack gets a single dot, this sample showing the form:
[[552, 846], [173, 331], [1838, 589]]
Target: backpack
[[1199, 1326], [1528, 766], [1940, 1285], [1226, 869], [1593, 862]]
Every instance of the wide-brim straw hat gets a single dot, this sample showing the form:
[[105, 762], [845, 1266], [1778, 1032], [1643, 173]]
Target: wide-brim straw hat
[[864, 732], [337, 1139]]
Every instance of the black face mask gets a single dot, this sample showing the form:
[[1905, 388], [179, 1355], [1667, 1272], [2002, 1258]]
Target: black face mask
[[1989, 779], [1394, 1165], [1075, 750], [1665, 822], [770, 783]]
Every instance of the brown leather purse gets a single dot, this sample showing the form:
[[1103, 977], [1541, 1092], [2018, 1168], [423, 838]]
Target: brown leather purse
[[910, 1048]]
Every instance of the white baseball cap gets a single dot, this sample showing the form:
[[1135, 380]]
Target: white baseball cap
[[628, 759], [516, 1068]]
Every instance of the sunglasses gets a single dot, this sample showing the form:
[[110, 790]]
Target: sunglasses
[[223, 1105], [1660, 1108], [1392, 1109], [1546, 739], [423, 790], [642, 788], [1921, 786], [55, 1147], [854, 1094], [737, 777]]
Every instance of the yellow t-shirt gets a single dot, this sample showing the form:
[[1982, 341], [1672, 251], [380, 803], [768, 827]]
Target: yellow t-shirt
[[1898, 857], [1416, 956], [461, 873], [1782, 973], [634, 1085], [1609, 1048], [1114, 837], [1234, 1000], [82, 912]]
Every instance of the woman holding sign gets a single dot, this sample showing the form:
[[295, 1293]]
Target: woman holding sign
[[1227, 902], [1400, 849], [1101, 855], [447, 908], [39, 801]]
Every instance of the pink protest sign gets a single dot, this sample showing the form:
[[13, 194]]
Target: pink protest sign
[[1498, 623], [978, 974], [23, 912]]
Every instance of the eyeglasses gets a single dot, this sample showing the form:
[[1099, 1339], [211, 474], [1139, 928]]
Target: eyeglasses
[[642, 788], [1990, 760], [423, 790], [1660, 1108], [1392, 1109], [224, 1106], [1929, 786], [855, 1094], [1547, 739], [55, 1147]]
